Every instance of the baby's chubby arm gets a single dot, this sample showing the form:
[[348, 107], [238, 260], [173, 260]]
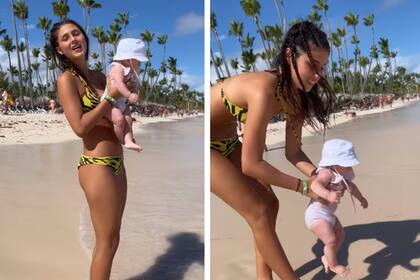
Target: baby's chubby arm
[[358, 195], [116, 76], [319, 186]]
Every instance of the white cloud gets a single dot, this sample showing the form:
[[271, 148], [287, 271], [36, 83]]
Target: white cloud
[[222, 37], [410, 62], [31, 26], [387, 4], [188, 24]]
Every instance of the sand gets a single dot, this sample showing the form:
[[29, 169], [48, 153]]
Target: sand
[[45, 224], [383, 241]]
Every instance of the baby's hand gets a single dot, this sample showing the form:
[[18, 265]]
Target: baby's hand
[[334, 196], [364, 203], [133, 98]]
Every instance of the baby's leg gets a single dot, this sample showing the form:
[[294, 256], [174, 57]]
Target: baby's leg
[[325, 231], [128, 133], [117, 118]]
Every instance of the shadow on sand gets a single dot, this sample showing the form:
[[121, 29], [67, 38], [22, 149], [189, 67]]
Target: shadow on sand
[[401, 247], [185, 249]]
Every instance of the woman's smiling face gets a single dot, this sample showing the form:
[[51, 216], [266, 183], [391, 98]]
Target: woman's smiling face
[[71, 42], [309, 73]]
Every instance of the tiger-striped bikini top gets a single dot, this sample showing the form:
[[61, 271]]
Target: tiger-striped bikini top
[[240, 113], [89, 99]]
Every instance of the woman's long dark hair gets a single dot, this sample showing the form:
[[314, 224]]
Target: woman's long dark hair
[[314, 106], [61, 61]]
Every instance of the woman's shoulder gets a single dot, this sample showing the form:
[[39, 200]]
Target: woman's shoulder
[[66, 77]]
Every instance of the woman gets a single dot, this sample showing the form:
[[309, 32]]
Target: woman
[[101, 169], [239, 174]]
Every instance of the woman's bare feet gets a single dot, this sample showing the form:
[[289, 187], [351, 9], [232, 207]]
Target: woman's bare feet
[[340, 270]]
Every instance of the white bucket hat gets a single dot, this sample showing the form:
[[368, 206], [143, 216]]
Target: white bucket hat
[[338, 152], [130, 48]]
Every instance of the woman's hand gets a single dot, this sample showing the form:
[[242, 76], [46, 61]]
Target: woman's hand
[[112, 89]]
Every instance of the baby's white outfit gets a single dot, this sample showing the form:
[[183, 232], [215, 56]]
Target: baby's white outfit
[[128, 75], [319, 211]]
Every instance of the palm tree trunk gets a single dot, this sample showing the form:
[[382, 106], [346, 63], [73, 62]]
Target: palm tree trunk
[[262, 39], [17, 52], [25, 31], [214, 64], [219, 46], [10, 67]]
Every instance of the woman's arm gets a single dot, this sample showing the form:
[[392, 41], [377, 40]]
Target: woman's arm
[[294, 153], [81, 124], [259, 113]]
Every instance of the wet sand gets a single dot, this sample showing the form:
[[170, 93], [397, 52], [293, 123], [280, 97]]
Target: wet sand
[[383, 241], [46, 232]]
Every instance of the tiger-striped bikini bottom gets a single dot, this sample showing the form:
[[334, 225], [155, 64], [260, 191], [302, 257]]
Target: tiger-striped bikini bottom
[[225, 146], [115, 162]]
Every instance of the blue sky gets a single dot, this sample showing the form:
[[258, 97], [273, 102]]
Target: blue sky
[[181, 20], [397, 20]]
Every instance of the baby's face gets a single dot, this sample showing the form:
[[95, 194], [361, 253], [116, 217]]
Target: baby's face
[[135, 64]]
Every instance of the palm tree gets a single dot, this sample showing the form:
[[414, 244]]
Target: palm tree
[[384, 46], [114, 35], [44, 24], [213, 25], [147, 37], [123, 19], [61, 9], [162, 40], [35, 66], [282, 16], [352, 20], [213, 62], [274, 34], [8, 47], [252, 9], [21, 11], [368, 22], [249, 59], [336, 41], [218, 61], [99, 34], [17, 52], [87, 6], [236, 29], [234, 64]]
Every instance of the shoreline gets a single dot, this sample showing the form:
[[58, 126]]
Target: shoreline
[[276, 131], [46, 128]]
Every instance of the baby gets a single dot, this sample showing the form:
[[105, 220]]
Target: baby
[[124, 76], [334, 176]]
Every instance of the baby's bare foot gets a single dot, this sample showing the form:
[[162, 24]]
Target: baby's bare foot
[[325, 263], [340, 270], [133, 146]]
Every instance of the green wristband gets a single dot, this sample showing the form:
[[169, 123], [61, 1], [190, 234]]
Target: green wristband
[[110, 99], [305, 187]]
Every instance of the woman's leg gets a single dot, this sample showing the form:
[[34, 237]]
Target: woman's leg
[[230, 185], [105, 194], [263, 271]]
